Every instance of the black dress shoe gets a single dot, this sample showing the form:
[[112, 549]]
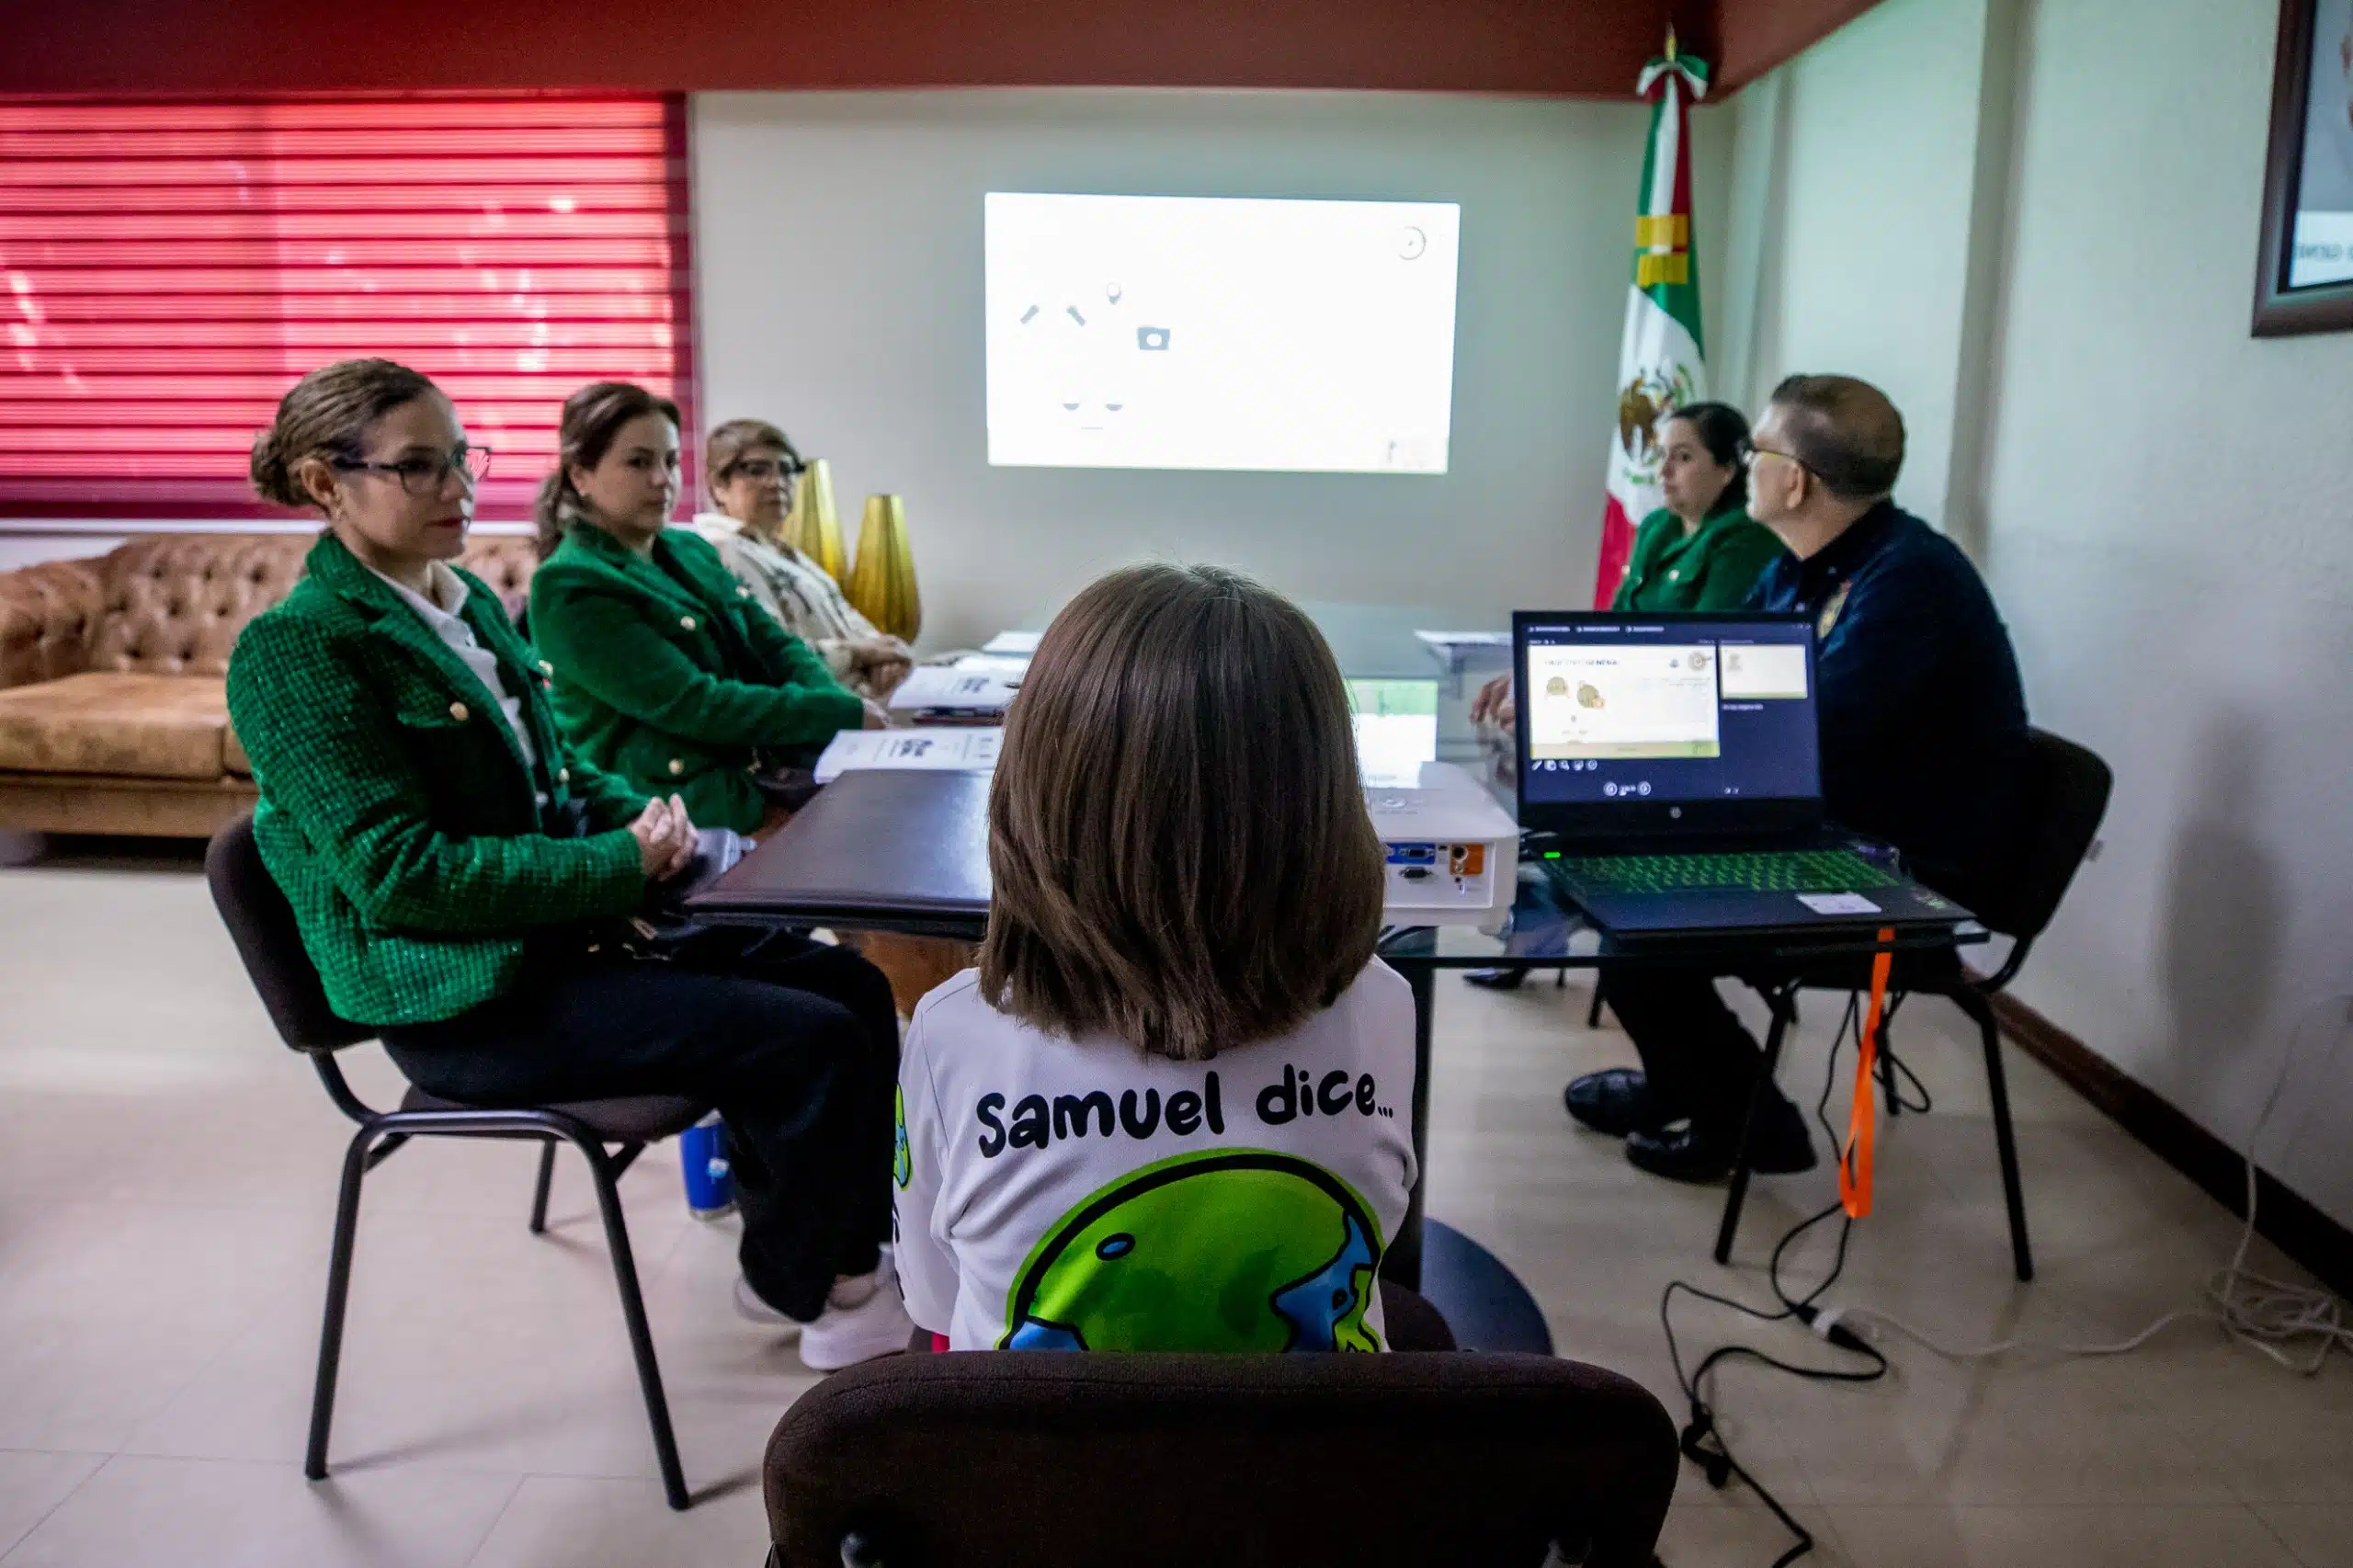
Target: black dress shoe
[[1496, 979], [1696, 1154], [1614, 1101]]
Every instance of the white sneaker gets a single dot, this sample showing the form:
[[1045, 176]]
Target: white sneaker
[[848, 1292], [843, 1336], [749, 1306]]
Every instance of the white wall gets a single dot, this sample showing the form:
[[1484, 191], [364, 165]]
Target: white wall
[[839, 259], [2170, 513], [1864, 148], [2034, 222]]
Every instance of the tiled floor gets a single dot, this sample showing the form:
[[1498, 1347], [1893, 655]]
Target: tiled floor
[[167, 1175]]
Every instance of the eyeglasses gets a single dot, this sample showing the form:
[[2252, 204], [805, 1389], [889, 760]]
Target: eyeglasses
[[1750, 451], [766, 468], [422, 474]]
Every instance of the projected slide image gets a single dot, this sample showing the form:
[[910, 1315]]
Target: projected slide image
[[1622, 702], [1217, 333]]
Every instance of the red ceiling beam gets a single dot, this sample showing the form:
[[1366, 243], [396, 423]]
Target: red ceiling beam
[[1581, 47], [1751, 37], [1551, 48]]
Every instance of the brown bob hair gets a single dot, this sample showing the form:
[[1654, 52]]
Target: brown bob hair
[[1177, 835], [592, 417]]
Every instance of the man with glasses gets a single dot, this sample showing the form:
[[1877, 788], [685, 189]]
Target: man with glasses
[[1924, 738]]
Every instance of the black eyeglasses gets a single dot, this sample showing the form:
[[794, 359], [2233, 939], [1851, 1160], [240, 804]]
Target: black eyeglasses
[[422, 474], [1750, 451], [766, 468]]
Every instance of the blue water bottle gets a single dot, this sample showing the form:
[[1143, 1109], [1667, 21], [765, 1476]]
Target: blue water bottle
[[711, 1180]]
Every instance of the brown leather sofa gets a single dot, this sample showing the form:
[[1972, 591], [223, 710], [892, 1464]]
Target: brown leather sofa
[[114, 713]]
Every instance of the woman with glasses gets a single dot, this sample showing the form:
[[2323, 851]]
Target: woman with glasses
[[752, 470], [666, 672], [462, 879]]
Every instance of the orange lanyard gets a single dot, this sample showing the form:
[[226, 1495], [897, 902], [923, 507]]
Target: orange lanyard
[[1854, 1159]]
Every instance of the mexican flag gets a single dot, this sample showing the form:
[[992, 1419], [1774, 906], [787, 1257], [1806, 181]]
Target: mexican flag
[[1660, 364]]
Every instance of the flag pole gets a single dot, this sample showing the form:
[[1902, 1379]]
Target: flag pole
[[1662, 365]]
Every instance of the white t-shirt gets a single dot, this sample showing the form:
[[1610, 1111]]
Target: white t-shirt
[[1058, 1194]]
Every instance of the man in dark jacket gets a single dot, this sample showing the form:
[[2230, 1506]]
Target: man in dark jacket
[[1924, 732]]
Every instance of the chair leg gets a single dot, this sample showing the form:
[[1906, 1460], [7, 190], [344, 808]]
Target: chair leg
[[641, 1339], [1887, 1090], [1779, 1000], [539, 1193], [2005, 1136], [1593, 1013], [346, 1226]]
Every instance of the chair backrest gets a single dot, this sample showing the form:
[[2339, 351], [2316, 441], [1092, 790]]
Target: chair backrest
[[2066, 795], [1031, 1458], [261, 923]]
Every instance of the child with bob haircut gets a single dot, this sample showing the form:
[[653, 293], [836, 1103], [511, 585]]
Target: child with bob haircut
[[1171, 1108]]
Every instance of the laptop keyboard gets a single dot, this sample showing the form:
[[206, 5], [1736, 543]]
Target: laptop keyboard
[[1783, 870]]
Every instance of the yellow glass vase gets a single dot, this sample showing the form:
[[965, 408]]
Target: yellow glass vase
[[882, 582], [811, 527]]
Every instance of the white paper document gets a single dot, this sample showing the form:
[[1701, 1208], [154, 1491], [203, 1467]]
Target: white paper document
[[935, 685], [968, 751], [1022, 643]]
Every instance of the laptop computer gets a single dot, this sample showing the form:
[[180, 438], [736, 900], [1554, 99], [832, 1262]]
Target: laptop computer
[[1671, 767]]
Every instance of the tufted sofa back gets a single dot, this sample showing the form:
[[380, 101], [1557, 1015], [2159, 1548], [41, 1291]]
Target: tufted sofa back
[[47, 614], [173, 604]]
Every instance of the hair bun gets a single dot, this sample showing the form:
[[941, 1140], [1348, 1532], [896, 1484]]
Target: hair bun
[[272, 479]]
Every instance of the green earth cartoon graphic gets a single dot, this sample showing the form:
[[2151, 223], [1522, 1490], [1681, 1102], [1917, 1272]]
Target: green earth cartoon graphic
[[1228, 1249], [902, 1165]]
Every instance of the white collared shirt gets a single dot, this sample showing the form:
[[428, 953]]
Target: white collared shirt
[[440, 613]]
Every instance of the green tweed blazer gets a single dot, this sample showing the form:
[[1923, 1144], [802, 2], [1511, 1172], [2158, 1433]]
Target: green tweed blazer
[[396, 810], [669, 674]]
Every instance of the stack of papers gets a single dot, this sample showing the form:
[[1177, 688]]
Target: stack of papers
[[970, 751], [1023, 644]]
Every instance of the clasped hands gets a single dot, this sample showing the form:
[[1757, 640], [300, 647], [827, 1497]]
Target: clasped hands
[[665, 838]]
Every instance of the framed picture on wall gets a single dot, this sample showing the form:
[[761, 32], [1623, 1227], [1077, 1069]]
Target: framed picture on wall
[[2304, 279]]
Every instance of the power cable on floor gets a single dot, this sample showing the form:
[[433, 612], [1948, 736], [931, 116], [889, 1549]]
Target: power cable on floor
[[2265, 1314]]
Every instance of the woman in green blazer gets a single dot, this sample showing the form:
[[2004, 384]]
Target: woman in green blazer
[[459, 875], [1701, 550], [668, 672]]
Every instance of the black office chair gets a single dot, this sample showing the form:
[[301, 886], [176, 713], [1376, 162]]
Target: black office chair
[[1013, 1458], [261, 923], [2066, 795]]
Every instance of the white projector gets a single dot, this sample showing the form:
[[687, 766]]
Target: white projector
[[1453, 854]]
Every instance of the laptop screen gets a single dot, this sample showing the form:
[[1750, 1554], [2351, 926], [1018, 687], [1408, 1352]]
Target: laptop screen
[[1626, 720]]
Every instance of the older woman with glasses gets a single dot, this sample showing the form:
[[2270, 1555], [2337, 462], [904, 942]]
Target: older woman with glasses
[[752, 470]]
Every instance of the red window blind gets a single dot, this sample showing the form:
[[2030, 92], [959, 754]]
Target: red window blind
[[168, 269]]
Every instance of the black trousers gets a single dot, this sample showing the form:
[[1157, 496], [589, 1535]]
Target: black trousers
[[795, 1042], [1701, 1059]]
